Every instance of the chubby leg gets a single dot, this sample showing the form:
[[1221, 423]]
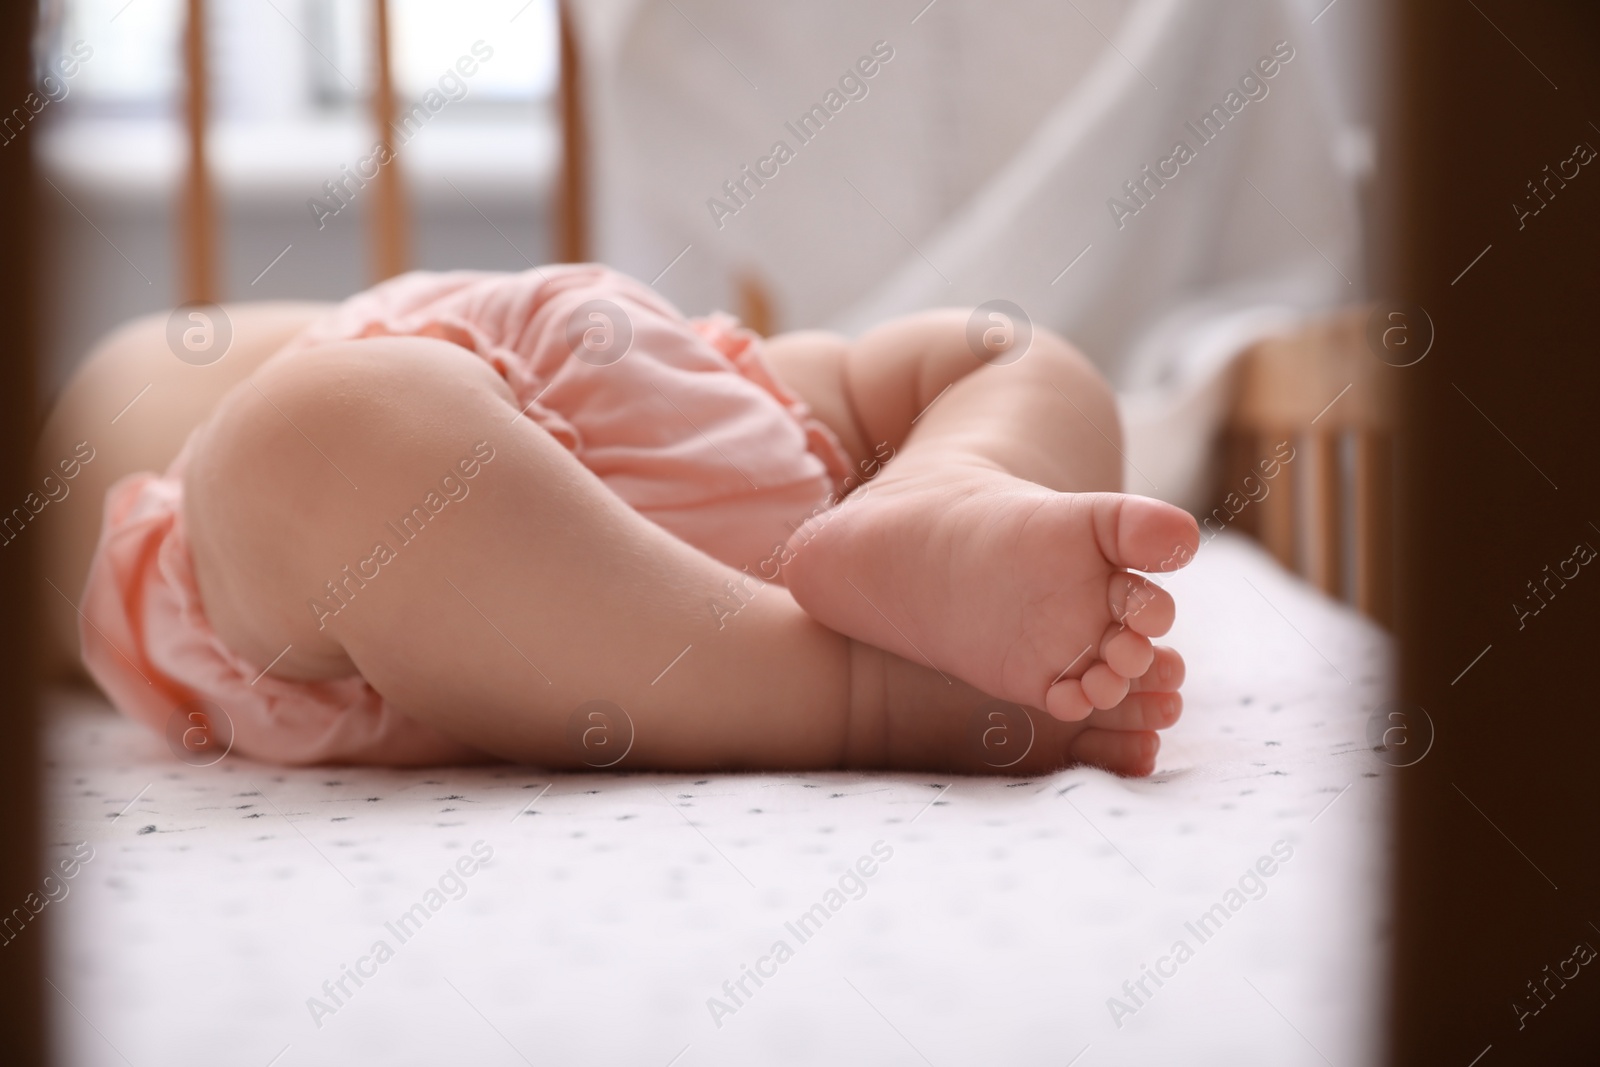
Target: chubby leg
[[995, 546], [130, 405], [534, 589]]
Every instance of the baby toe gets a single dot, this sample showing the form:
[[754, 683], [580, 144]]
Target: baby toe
[[1127, 653], [1145, 534], [1066, 701], [1131, 753], [1140, 711], [1104, 687], [1165, 673], [1141, 605]]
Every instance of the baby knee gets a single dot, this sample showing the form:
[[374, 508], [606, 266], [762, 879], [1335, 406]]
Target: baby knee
[[352, 387], [301, 463], [318, 425]]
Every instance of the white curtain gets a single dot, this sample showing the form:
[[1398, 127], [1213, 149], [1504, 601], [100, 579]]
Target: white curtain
[[982, 157]]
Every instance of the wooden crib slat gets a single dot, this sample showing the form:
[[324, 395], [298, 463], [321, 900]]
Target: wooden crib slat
[[197, 207], [1278, 507], [390, 224], [1327, 514], [1239, 463], [1374, 489], [570, 225], [1320, 388], [755, 303]]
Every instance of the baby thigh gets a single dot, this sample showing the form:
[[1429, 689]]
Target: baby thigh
[[380, 507]]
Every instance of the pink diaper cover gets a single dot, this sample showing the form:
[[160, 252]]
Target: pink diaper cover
[[682, 418]]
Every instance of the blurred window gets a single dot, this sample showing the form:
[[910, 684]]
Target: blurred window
[[287, 59]]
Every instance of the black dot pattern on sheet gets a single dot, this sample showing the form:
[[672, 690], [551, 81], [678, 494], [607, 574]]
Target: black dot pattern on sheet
[[650, 852]]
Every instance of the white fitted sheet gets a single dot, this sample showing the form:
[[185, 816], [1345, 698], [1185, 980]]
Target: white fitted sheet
[[615, 905]]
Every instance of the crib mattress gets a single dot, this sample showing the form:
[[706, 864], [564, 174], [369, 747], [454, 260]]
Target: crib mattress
[[1231, 909]]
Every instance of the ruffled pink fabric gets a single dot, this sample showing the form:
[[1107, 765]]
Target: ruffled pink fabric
[[690, 427]]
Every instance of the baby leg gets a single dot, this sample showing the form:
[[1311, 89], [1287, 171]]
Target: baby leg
[[131, 403], [532, 589], [995, 545]]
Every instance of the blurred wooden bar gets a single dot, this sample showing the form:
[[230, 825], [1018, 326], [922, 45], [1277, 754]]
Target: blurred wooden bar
[[25, 1013], [570, 224], [1496, 872], [1326, 504], [391, 237], [197, 209], [1374, 525], [1318, 389], [755, 304], [1277, 517]]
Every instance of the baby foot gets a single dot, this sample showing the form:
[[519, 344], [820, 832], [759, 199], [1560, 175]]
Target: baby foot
[[919, 722], [1011, 587], [1122, 739]]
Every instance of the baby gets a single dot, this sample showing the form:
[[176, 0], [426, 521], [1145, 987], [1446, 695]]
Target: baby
[[546, 518]]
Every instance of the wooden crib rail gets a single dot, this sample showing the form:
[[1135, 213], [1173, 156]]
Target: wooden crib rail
[[197, 207], [570, 205], [390, 229], [1328, 513], [200, 240]]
